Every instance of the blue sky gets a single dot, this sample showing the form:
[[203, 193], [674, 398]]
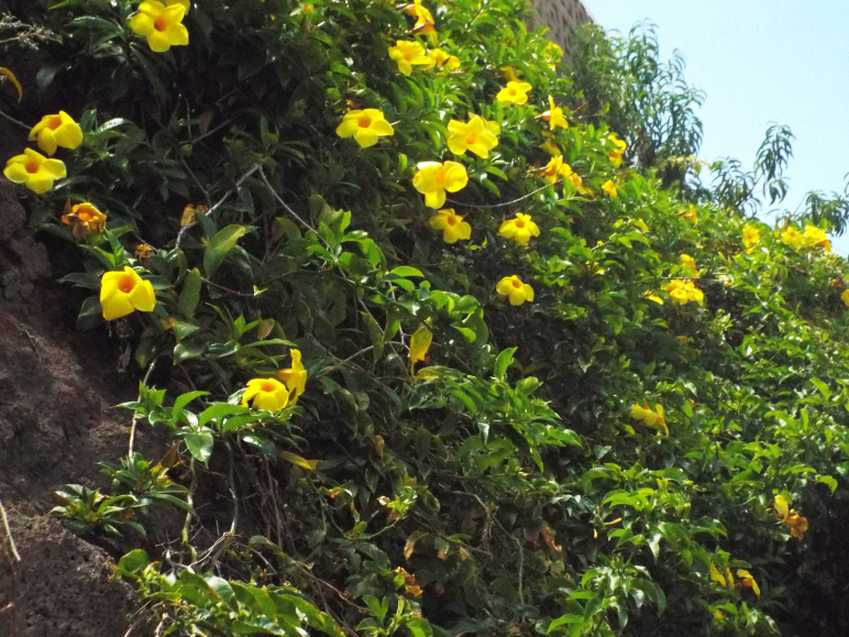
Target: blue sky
[[760, 61]]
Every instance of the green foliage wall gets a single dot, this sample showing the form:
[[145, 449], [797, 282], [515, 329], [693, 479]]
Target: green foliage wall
[[652, 442]]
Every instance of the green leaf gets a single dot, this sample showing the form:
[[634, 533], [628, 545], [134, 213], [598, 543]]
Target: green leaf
[[503, 362], [133, 561], [200, 444], [220, 245], [190, 294]]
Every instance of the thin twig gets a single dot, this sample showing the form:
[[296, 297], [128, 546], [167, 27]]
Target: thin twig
[[505, 203], [14, 549], [282, 202], [136, 418], [13, 120]]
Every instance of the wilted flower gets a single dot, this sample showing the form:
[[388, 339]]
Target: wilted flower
[[691, 214], [554, 116], [266, 393], [365, 126], [191, 212], [796, 524], [408, 54], [34, 170], [434, 178], [514, 290], [519, 229], [85, 220], [162, 26], [144, 251], [514, 93], [451, 224], [124, 292], [425, 24], [53, 131], [478, 135], [747, 580]]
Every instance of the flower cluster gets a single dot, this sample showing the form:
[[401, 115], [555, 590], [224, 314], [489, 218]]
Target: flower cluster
[[683, 291], [796, 524], [273, 394], [811, 237], [652, 418]]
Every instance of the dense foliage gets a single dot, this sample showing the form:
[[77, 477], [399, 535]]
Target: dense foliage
[[624, 414]]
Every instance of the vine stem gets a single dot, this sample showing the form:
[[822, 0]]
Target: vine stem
[[14, 549]]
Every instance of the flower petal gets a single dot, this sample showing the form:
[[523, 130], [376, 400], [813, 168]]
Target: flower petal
[[143, 297]]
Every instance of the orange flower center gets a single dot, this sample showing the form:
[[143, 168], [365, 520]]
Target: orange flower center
[[451, 220], [516, 283], [520, 223], [126, 284], [470, 139], [364, 121], [54, 122], [32, 166], [160, 24], [268, 387], [441, 177]]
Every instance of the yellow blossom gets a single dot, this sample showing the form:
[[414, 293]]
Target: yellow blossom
[[478, 135], [34, 170], [618, 152], [797, 524], [53, 131], [573, 178], [814, 237], [294, 377], [610, 189], [451, 224], [190, 213], [791, 236], [683, 291], [85, 220], [553, 53], [751, 237], [366, 126], [519, 229], [434, 178], [514, 290], [652, 418], [555, 169], [689, 263], [266, 393], [844, 296], [408, 54], [162, 26], [748, 581], [691, 214], [420, 342], [425, 24], [554, 116], [122, 293], [514, 93], [652, 296], [444, 61]]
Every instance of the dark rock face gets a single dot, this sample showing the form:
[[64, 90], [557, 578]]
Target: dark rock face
[[57, 421]]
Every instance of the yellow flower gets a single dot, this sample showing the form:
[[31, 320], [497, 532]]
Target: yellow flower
[[791, 236], [408, 54], [683, 291], [554, 116], [451, 224], [477, 135], [844, 296], [717, 577], [434, 178], [161, 25], [781, 506], [425, 24], [691, 214], [85, 220], [555, 169], [514, 290], [610, 189], [514, 93], [651, 296], [573, 178], [365, 126], [797, 524], [689, 264], [553, 53], [519, 229], [618, 152], [122, 293], [748, 581], [652, 418], [266, 393], [190, 213], [294, 377], [444, 61], [34, 170], [56, 130], [420, 343], [813, 237], [186, 3], [751, 237]]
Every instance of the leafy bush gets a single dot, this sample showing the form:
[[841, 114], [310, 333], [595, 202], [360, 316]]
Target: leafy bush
[[627, 418]]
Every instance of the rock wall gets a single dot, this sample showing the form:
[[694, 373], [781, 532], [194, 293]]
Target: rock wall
[[561, 16]]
